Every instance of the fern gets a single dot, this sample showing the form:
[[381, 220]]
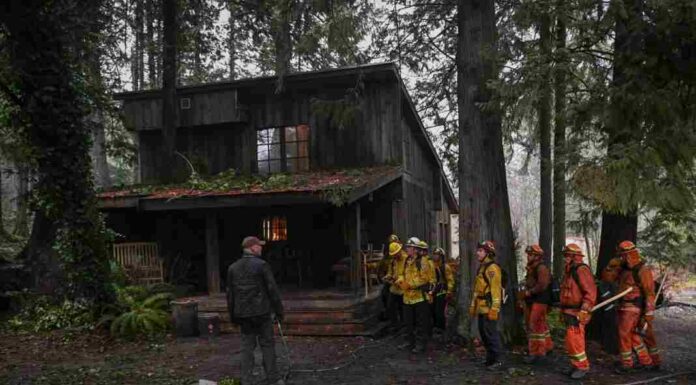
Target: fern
[[142, 316]]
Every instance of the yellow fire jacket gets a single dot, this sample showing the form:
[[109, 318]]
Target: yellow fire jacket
[[487, 295], [418, 276], [395, 269], [449, 275]]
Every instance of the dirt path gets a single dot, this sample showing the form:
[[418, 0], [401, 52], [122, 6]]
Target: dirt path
[[62, 359]]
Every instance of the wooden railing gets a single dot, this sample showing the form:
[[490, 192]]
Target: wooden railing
[[140, 262]]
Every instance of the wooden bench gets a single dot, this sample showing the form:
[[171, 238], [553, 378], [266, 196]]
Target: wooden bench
[[140, 261]]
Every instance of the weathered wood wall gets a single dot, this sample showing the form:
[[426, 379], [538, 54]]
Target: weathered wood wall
[[373, 137]]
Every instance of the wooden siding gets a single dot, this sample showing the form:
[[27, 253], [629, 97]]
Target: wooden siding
[[207, 108], [373, 139]]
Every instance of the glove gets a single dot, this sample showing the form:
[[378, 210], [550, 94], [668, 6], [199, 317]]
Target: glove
[[493, 314], [584, 317], [649, 317], [472, 311]]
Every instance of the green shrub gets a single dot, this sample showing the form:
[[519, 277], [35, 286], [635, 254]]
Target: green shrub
[[229, 381], [138, 312], [41, 313]]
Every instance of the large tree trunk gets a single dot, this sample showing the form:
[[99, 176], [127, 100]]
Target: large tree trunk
[[484, 207], [169, 110], [559, 145], [544, 114], [22, 216], [45, 42], [617, 227], [102, 178]]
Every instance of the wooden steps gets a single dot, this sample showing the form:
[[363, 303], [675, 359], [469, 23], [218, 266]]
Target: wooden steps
[[314, 313]]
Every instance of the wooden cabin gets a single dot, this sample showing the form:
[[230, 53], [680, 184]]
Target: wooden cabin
[[324, 171]]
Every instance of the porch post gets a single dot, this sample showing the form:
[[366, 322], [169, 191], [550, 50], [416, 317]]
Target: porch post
[[212, 253]]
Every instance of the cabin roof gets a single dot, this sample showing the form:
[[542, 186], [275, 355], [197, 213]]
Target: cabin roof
[[389, 70], [346, 185]]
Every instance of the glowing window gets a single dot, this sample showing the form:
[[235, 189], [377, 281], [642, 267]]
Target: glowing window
[[275, 229]]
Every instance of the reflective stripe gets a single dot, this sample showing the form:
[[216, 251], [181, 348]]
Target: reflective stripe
[[626, 354], [639, 348], [653, 350], [578, 357]]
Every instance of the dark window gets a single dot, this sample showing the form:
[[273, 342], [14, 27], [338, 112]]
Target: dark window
[[282, 149], [275, 229]]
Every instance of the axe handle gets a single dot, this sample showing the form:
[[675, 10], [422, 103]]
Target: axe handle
[[612, 299], [662, 284]]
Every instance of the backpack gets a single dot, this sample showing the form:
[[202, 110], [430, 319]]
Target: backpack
[[554, 289], [503, 278], [636, 278]]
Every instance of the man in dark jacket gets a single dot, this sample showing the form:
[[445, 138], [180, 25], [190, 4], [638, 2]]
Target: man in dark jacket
[[252, 299]]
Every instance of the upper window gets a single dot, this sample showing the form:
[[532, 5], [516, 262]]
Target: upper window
[[283, 149]]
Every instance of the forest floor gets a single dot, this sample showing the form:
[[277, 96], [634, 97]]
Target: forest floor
[[67, 359]]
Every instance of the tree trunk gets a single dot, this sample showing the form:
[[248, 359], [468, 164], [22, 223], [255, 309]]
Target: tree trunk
[[137, 48], [617, 227], [3, 233], [231, 46], [544, 114], [46, 42], [484, 207], [280, 29], [102, 178], [151, 45], [559, 145], [169, 110], [22, 217]]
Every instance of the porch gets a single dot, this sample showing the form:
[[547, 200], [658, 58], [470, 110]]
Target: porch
[[327, 312]]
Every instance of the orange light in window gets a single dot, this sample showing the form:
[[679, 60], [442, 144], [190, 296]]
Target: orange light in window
[[275, 228]]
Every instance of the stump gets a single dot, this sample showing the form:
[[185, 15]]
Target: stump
[[185, 318]]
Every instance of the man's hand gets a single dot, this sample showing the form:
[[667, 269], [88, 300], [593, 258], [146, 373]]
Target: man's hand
[[584, 317], [279, 317], [449, 297], [493, 314], [649, 317]]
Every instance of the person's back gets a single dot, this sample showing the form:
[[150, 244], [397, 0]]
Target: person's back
[[252, 298], [251, 282]]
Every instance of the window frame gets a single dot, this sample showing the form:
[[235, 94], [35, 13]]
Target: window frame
[[276, 223], [283, 144]]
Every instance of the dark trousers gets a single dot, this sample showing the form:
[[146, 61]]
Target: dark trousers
[[490, 337], [439, 311], [258, 330], [395, 306], [417, 319]]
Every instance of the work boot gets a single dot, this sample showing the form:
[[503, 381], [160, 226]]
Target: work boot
[[531, 360], [578, 374], [568, 371], [624, 370], [494, 366]]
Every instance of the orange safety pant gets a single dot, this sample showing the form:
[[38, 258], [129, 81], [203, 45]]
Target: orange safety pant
[[629, 340], [575, 346], [651, 343], [538, 333]]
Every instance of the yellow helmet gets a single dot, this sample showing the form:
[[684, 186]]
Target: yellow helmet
[[439, 251], [423, 245], [394, 238], [394, 248]]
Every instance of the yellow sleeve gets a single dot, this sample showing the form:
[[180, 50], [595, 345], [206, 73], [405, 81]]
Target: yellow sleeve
[[450, 278], [494, 276], [433, 275], [390, 269]]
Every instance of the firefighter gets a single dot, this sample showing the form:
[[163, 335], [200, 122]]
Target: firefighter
[[395, 269], [636, 310], [444, 288], [537, 299], [415, 282], [486, 302], [578, 296]]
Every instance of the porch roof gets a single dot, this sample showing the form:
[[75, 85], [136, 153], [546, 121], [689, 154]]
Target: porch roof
[[231, 190]]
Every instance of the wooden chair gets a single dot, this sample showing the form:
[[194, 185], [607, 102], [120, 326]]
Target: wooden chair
[[140, 261]]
